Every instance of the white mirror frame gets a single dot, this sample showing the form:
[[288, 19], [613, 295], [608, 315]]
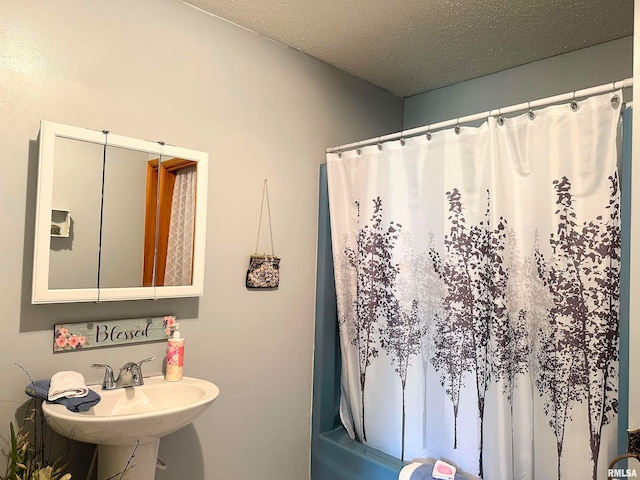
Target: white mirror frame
[[41, 293]]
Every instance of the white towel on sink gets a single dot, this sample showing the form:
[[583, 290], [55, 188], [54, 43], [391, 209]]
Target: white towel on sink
[[67, 384]]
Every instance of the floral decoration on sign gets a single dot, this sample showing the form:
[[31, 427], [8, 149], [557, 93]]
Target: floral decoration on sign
[[65, 340], [168, 323]]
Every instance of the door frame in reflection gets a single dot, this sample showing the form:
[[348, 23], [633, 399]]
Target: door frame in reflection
[[158, 221]]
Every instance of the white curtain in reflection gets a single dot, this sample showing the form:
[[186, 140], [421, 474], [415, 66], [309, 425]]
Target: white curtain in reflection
[[180, 247]]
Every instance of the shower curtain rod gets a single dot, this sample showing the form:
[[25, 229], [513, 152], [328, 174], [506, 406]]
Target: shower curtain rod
[[587, 92]]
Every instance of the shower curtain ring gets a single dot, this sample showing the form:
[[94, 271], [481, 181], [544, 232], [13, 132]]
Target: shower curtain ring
[[615, 99], [531, 113], [379, 144], [500, 117], [402, 140], [457, 129], [574, 104], [428, 134]]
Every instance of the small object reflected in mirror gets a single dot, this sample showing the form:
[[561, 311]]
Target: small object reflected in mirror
[[55, 229]]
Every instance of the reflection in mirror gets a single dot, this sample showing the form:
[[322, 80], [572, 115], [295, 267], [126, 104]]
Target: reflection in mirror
[[176, 220], [123, 218], [77, 179]]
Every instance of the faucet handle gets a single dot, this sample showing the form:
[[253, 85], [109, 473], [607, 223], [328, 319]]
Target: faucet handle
[[150, 359], [108, 381], [139, 379]]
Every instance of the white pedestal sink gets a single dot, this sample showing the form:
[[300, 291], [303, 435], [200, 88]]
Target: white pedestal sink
[[132, 420]]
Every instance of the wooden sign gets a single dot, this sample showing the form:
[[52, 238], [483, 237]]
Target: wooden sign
[[80, 336]]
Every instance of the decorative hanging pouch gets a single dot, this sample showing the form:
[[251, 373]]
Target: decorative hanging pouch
[[264, 270]]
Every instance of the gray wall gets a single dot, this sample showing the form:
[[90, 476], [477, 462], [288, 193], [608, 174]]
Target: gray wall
[[73, 261], [584, 68], [163, 70], [123, 222], [77, 186]]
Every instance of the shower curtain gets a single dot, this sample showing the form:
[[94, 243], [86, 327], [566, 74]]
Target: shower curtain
[[477, 278], [181, 226]]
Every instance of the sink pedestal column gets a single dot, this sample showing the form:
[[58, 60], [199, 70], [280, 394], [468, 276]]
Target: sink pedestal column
[[141, 460]]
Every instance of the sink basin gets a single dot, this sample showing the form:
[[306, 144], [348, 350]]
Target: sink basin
[[126, 415], [133, 417]]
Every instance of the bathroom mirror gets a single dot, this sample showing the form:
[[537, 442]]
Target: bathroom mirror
[[117, 218]]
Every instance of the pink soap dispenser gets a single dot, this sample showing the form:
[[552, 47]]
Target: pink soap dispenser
[[175, 356]]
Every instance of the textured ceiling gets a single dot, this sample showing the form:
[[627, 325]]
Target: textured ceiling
[[412, 46]]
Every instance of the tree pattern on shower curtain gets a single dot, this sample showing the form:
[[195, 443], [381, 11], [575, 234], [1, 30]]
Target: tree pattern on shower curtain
[[579, 354], [485, 334], [375, 277], [401, 338], [517, 316], [475, 305]]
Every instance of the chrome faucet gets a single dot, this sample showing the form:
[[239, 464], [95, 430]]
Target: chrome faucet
[[130, 375]]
